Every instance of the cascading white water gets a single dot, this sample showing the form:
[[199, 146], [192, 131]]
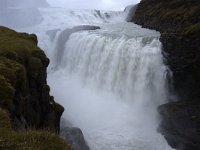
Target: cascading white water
[[129, 67], [111, 82]]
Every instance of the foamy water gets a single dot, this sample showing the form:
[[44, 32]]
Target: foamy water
[[109, 80]]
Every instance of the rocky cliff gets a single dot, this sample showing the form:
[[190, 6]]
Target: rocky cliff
[[25, 103], [179, 24]]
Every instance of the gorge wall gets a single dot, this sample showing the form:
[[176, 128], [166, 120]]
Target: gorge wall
[[179, 24], [25, 102]]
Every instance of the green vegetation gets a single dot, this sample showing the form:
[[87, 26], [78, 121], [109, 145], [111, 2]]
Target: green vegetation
[[21, 58], [19, 46], [35, 65], [4, 120], [18, 51], [192, 29], [27, 140], [31, 140], [180, 16], [6, 93]]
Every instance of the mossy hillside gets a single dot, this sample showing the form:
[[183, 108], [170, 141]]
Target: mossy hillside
[[29, 140], [21, 50], [12, 75], [13, 71], [20, 60], [20, 46], [178, 16], [32, 140], [23, 93], [7, 92], [5, 122], [35, 64]]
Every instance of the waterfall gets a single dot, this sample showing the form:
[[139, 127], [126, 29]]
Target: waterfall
[[111, 81], [107, 73], [131, 68]]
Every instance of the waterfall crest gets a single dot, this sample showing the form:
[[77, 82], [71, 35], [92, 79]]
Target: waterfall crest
[[114, 79], [131, 67], [110, 79]]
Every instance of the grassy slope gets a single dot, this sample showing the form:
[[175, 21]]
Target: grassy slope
[[183, 14], [29, 140], [16, 49]]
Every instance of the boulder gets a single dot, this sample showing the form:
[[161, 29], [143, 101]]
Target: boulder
[[180, 124], [75, 138]]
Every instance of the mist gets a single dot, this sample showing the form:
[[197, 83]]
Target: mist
[[110, 79], [21, 13], [93, 4]]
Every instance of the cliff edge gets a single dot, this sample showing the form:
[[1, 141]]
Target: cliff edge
[[179, 24], [25, 103]]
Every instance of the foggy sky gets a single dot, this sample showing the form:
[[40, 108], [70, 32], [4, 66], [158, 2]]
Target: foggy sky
[[93, 4]]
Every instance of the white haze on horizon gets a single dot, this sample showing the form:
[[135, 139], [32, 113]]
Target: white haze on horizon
[[93, 4]]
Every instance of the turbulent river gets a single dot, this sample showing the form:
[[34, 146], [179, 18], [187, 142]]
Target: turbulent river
[[110, 80]]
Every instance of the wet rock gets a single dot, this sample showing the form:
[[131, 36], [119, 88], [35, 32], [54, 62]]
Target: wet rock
[[75, 138], [130, 10], [181, 124], [183, 58], [24, 91], [179, 24]]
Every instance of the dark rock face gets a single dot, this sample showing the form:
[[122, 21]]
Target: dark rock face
[[24, 91], [75, 138], [177, 16], [130, 12], [179, 24], [183, 58], [181, 125]]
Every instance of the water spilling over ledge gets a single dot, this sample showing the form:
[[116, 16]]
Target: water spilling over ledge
[[110, 80]]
